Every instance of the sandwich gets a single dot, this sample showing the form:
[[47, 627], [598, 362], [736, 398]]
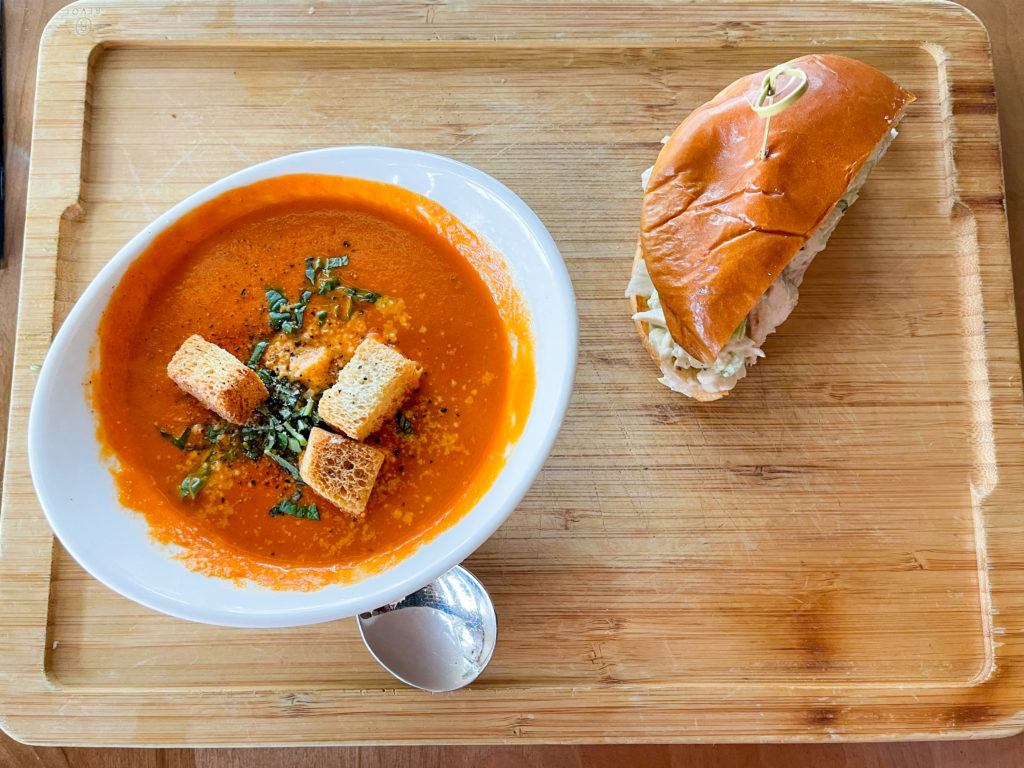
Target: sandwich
[[744, 194]]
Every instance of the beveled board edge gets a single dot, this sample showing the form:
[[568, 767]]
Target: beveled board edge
[[36, 710]]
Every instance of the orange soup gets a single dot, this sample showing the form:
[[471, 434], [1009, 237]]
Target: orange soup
[[413, 276]]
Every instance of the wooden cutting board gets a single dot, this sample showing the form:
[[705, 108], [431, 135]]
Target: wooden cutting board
[[833, 552]]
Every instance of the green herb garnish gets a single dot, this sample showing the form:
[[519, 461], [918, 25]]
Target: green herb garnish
[[283, 316], [282, 423], [322, 268], [275, 299], [257, 353], [212, 432], [291, 507], [300, 305], [286, 465], [181, 441], [279, 430], [317, 266], [297, 441], [312, 267], [358, 294], [327, 286], [287, 317], [194, 481], [403, 425]]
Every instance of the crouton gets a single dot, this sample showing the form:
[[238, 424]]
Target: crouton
[[369, 389], [309, 364], [217, 379], [341, 470]]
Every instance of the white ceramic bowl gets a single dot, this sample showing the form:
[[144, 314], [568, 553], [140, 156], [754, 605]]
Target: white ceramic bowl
[[112, 543]]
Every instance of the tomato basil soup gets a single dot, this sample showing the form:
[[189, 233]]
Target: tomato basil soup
[[339, 259]]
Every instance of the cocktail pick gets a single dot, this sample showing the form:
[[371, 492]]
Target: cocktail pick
[[765, 104]]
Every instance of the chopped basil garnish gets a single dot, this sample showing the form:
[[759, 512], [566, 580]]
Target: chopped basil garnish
[[317, 266], [291, 507], [286, 465], [194, 481], [278, 430], [403, 425], [283, 316], [312, 267], [287, 317], [257, 353], [275, 299], [327, 286], [359, 294], [181, 441]]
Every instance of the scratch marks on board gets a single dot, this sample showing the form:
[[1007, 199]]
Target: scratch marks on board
[[138, 188]]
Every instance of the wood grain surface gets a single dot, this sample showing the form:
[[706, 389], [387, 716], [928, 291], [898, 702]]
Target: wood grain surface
[[89, 248]]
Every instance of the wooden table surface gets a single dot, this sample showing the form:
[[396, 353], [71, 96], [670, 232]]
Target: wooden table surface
[[23, 23]]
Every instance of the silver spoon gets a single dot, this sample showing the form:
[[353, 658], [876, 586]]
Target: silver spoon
[[439, 638]]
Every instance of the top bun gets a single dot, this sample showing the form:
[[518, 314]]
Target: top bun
[[718, 224]]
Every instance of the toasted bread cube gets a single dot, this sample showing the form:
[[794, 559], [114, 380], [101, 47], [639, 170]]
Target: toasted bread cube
[[341, 470], [369, 389], [217, 379]]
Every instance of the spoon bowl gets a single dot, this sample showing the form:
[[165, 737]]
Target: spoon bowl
[[439, 638]]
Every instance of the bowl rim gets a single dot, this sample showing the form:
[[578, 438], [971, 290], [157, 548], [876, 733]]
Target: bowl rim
[[464, 538]]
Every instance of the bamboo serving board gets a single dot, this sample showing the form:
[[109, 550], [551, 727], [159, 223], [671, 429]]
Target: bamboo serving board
[[833, 552]]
